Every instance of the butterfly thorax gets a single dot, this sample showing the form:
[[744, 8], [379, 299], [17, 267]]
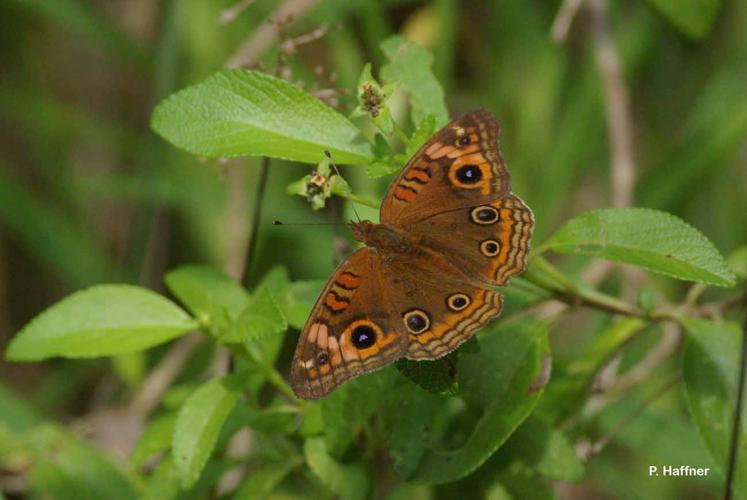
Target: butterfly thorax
[[380, 236]]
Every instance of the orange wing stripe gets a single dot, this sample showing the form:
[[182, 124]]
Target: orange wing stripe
[[336, 303], [417, 175], [348, 280], [404, 194]]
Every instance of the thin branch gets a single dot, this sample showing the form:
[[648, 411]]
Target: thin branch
[[617, 103], [661, 351], [230, 14], [161, 377], [562, 23], [263, 37], [587, 450]]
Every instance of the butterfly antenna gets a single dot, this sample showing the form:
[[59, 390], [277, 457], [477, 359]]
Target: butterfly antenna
[[281, 223], [337, 171]]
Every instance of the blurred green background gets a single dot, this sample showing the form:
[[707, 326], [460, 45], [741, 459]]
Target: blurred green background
[[88, 194]]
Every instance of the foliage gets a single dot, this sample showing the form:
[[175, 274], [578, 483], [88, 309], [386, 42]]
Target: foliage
[[516, 412]]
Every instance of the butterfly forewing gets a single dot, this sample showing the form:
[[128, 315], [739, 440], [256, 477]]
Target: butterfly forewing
[[350, 330], [458, 167]]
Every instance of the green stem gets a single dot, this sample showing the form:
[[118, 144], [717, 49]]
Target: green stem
[[357, 199], [272, 375], [548, 277]]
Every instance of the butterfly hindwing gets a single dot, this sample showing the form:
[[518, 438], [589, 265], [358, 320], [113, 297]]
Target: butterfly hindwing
[[493, 241], [438, 311]]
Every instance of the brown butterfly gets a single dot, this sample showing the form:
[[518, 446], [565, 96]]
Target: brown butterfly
[[450, 231]]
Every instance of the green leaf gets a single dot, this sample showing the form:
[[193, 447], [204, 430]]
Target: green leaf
[[694, 18], [349, 481], [347, 409], [261, 317], [163, 483], [100, 321], [156, 438], [215, 299], [496, 384], [410, 65], [408, 421], [263, 481], [199, 423], [208, 293], [650, 239], [248, 113], [545, 450], [710, 371]]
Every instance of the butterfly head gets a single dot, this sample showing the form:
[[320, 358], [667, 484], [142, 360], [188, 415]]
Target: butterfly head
[[380, 236]]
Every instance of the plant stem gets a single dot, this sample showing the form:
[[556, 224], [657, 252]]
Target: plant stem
[[734, 445], [272, 375], [357, 199], [548, 277]]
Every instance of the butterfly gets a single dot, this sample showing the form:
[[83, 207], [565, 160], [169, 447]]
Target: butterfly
[[450, 231]]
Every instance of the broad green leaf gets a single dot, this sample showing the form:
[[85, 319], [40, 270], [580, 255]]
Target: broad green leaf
[[496, 384], [156, 438], [249, 113], [651, 239], [199, 423], [710, 371], [260, 317], [346, 410], [348, 481], [544, 449], [50, 234], [408, 421], [694, 18], [100, 321], [410, 65], [261, 482], [163, 483], [215, 299]]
